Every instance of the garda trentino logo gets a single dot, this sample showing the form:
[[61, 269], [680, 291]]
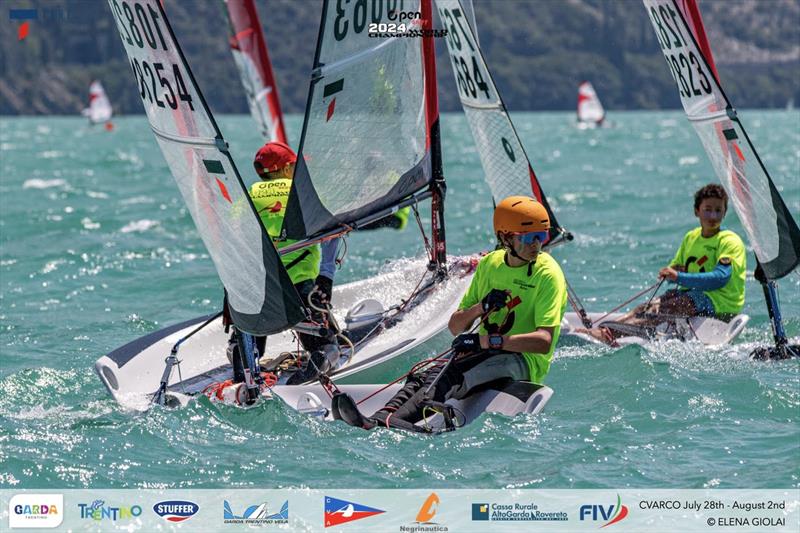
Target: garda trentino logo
[[176, 510], [36, 510], [98, 511], [609, 513]]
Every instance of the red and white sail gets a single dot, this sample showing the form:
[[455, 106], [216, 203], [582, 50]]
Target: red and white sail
[[249, 49], [99, 108], [771, 230], [590, 110]]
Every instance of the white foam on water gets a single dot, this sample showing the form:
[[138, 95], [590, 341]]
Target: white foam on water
[[139, 225], [37, 183]]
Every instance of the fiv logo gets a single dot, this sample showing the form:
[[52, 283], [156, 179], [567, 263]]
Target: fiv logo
[[610, 513]]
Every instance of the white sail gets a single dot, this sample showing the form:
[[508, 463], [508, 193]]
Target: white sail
[[366, 137], [590, 110], [505, 163], [261, 297], [770, 227], [99, 109]]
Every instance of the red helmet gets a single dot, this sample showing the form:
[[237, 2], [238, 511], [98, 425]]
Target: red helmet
[[273, 156]]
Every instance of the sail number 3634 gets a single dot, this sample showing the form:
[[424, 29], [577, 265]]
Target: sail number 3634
[[686, 67], [139, 26]]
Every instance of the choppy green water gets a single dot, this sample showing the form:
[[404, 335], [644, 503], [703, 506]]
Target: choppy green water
[[97, 249]]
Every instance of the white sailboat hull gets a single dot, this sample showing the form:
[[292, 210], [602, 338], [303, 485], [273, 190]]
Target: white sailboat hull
[[132, 373], [709, 331], [511, 399]]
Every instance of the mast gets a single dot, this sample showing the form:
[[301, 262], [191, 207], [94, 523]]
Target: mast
[[438, 187]]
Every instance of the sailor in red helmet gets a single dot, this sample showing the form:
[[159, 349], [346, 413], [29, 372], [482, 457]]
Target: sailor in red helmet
[[274, 163]]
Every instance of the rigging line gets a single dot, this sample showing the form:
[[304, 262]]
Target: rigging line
[[626, 302], [577, 305], [422, 230]]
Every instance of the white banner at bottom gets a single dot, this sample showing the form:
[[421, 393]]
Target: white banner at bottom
[[402, 511]]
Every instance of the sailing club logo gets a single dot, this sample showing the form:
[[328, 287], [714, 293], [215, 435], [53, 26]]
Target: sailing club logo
[[35, 510], [424, 521], [176, 510], [515, 512], [611, 514], [342, 511], [99, 511], [257, 514]]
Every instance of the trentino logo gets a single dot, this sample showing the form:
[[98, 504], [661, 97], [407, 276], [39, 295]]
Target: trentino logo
[[611, 513], [98, 510], [341, 511], [256, 514], [176, 510], [35, 510]]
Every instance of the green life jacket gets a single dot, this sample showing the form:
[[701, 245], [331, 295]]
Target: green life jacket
[[270, 199]]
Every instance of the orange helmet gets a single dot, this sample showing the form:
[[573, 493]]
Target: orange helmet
[[520, 214]]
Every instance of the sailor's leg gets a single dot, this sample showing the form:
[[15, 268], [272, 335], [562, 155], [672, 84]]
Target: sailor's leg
[[406, 407], [504, 365]]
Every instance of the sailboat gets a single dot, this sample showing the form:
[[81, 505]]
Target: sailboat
[[508, 172], [770, 227], [249, 49], [99, 109], [351, 170], [590, 111]]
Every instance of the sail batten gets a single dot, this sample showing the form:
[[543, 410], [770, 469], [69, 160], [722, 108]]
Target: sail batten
[[769, 224], [261, 298]]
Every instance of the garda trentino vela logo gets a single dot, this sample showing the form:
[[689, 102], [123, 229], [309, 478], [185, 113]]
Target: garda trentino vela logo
[[611, 513], [36, 510]]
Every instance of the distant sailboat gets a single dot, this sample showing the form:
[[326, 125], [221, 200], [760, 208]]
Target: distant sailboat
[[590, 111], [99, 110], [249, 49]]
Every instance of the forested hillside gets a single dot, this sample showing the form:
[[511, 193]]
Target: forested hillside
[[538, 50]]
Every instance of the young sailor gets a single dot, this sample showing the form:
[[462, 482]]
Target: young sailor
[[519, 295], [708, 268], [274, 163]]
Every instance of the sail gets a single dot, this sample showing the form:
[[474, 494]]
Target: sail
[[261, 297], [505, 163], [249, 49], [99, 109], [366, 141], [771, 230], [589, 107]]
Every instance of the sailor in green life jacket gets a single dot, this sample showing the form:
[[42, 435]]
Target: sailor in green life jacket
[[274, 163], [518, 293], [709, 269]]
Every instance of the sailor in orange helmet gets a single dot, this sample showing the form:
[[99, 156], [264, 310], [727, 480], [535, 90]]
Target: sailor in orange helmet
[[518, 293]]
